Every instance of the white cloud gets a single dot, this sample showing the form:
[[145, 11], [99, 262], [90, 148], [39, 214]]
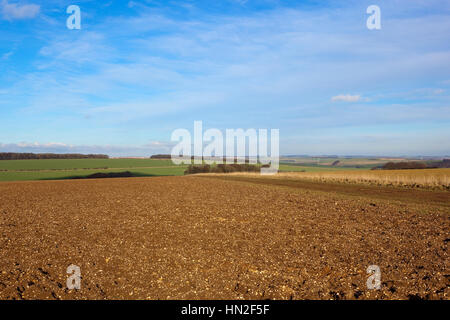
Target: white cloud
[[346, 98], [12, 11], [39, 145], [153, 147], [6, 56]]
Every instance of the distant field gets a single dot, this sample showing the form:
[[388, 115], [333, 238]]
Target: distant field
[[417, 178], [52, 164], [313, 168], [13, 170], [343, 163], [56, 175], [353, 170], [48, 169]]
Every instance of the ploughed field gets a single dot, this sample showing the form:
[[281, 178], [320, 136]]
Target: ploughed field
[[217, 238]]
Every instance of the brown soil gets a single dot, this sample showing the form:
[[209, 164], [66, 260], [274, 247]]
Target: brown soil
[[209, 238], [429, 197]]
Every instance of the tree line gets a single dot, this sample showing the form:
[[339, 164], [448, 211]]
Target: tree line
[[224, 168], [445, 163], [27, 156]]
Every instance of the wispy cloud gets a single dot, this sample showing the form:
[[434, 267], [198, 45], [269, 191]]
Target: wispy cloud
[[6, 55], [13, 11], [145, 150], [346, 98]]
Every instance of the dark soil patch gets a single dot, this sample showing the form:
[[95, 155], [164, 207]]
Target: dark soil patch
[[102, 175]]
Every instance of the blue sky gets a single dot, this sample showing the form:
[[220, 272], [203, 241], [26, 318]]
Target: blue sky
[[137, 70]]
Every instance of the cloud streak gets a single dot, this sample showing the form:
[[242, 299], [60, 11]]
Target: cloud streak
[[146, 150], [346, 98], [14, 11]]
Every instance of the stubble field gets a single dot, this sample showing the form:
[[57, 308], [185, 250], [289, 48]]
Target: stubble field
[[220, 238]]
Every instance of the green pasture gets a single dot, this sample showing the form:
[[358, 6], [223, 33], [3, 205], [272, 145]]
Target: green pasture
[[50, 169], [20, 170], [59, 164]]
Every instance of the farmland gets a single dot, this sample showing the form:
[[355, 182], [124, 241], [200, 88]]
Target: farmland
[[417, 178], [221, 237], [313, 168], [48, 169], [12, 170], [338, 162], [67, 164], [309, 232], [55, 169]]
